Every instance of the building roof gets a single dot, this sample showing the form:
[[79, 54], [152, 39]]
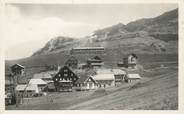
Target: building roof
[[17, 66], [133, 76], [89, 48], [28, 87], [118, 72], [104, 71], [42, 75], [84, 78], [97, 64], [104, 77], [37, 81]]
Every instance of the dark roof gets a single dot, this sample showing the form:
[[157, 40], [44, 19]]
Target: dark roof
[[17, 66], [134, 55], [97, 58], [82, 79]]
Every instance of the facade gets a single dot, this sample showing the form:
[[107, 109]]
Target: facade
[[72, 62], [65, 79], [40, 84], [119, 76], [26, 91], [85, 83], [46, 77], [88, 50], [104, 80], [132, 78], [95, 62]]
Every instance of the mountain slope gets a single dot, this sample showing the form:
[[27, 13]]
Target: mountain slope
[[154, 35]]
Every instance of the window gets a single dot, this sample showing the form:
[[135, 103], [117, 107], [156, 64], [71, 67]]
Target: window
[[65, 74]]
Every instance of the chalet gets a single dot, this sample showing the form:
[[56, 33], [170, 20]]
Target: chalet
[[17, 69], [130, 61], [47, 77], [88, 50], [95, 62], [29, 90], [72, 62], [40, 84], [132, 77], [65, 79], [85, 83], [104, 78], [119, 76]]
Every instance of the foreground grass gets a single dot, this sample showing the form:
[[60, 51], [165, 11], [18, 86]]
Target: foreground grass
[[157, 90]]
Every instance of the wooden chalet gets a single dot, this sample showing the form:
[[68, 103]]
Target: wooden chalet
[[132, 78], [17, 69], [95, 62], [65, 79], [85, 83], [104, 78], [72, 62], [119, 76], [40, 84]]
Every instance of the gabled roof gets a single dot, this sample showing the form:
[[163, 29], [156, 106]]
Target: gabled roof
[[17, 66], [118, 72], [83, 78], [97, 58], [42, 75], [104, 77], [37, 81], [104, 71], [133, 76]]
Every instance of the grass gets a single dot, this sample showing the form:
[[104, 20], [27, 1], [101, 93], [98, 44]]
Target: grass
[[157, 90]]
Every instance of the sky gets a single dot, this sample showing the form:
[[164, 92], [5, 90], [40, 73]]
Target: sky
[[30, 26]]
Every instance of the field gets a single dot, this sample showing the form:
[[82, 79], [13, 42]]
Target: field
[[158, 90]]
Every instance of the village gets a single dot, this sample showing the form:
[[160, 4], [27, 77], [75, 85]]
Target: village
[[72, 76]]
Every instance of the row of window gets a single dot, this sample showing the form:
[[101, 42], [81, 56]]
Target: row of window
[[61, 79], [65, 75]]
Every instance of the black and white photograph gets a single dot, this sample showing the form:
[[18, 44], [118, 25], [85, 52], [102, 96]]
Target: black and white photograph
[[91, 56]]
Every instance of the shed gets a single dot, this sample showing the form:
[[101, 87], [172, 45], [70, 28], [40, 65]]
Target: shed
[[132, 77], [39, 82]]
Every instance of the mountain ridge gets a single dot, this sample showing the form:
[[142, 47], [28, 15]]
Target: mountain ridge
[[155, 34]]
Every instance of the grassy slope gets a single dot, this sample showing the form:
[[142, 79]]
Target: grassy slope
[[157, 90]]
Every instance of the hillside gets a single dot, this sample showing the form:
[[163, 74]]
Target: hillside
[[154, 35], [119, 42]]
